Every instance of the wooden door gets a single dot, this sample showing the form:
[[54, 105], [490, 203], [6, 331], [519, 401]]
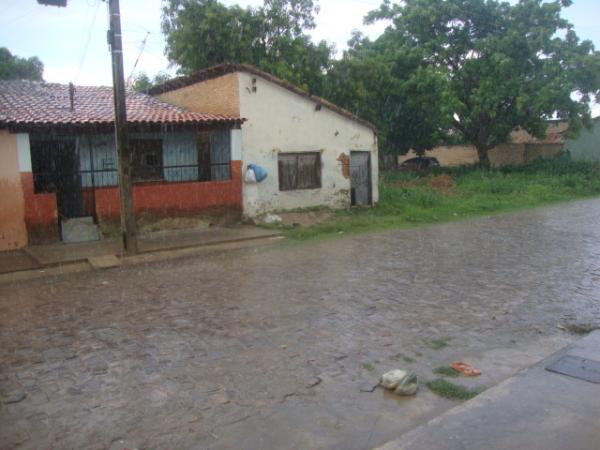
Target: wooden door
[[360, 178]]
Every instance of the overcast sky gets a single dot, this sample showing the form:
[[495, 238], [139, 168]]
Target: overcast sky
[[71, 42]]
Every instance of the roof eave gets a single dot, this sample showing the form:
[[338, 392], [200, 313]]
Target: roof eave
[[223, 69], [102, 126]]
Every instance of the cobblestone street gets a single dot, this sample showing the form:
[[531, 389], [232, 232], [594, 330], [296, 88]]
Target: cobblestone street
[[277, 347]]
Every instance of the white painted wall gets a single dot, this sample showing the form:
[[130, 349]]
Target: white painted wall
[[279, 120], [236, 145]]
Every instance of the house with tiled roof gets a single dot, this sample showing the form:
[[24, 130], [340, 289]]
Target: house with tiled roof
[[58, 159], [313, 152]]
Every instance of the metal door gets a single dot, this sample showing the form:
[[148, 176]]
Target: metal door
[[360, 178], [69, 194]]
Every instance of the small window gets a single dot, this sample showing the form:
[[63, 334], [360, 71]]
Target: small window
[[147, 156], [299, 171]]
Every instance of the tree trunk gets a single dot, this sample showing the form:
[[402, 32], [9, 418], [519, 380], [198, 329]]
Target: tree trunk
[[484, 158]]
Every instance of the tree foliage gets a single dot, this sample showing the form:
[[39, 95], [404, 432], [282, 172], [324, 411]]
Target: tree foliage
[[203, 33], [502, 66], [444, 70], [13, 67], [391, 87], [141, 82]]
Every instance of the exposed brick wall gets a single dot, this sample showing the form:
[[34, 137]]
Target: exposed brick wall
[[216, 96]]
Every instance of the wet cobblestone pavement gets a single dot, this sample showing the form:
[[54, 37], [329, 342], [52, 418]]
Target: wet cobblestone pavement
[[273, 348]]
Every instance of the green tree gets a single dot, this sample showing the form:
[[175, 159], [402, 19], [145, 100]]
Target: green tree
[[392, 87], [141, 82], [502, 66], [13, 67], [202, 33]]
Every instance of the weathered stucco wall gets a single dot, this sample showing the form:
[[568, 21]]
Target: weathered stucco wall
[[179, 193], [520, 148], [448, 155], [13, 233], [502, 155], [281, 121], [41, 215], [217, 96], [507, 154], [533, 151]]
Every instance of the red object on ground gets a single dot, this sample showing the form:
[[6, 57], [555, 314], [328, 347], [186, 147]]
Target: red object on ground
[[466, 369]]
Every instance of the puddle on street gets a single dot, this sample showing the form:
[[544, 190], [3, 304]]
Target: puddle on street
[[237, 342]]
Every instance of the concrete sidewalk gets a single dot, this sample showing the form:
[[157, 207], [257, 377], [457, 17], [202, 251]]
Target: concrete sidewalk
[[535, 409], [61, 253], [50, 259]]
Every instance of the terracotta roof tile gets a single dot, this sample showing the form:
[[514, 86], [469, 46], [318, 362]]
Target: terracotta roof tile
[[36, 103]]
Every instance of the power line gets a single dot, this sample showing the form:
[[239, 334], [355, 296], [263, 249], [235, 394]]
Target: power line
[[87, 41], [139, 56], [16, 19]]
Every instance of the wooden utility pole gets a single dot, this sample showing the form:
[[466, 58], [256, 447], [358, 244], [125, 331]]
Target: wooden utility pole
[[128, 227]]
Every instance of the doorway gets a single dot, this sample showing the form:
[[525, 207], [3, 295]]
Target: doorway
[[360, 178], [55, 166]]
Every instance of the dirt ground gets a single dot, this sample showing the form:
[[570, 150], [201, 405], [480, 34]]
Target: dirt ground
[[148, 223], [305, 218], [281, 347]]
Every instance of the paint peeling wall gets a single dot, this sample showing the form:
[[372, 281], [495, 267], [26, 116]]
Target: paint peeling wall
[[279, 121], [13, 233], [41, 215]]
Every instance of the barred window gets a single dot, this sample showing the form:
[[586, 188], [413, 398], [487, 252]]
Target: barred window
[[147, 157], [214, 155]]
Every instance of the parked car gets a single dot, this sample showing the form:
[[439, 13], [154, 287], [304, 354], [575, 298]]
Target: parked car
[[420, 163]]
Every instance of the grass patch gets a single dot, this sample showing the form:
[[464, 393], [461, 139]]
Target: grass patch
[[438, 343], [580, 328], [410, 199], [446, 389], [446, 371], [368, 366]]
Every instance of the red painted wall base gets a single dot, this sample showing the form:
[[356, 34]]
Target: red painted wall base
[[41, 217], [159, 198]]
